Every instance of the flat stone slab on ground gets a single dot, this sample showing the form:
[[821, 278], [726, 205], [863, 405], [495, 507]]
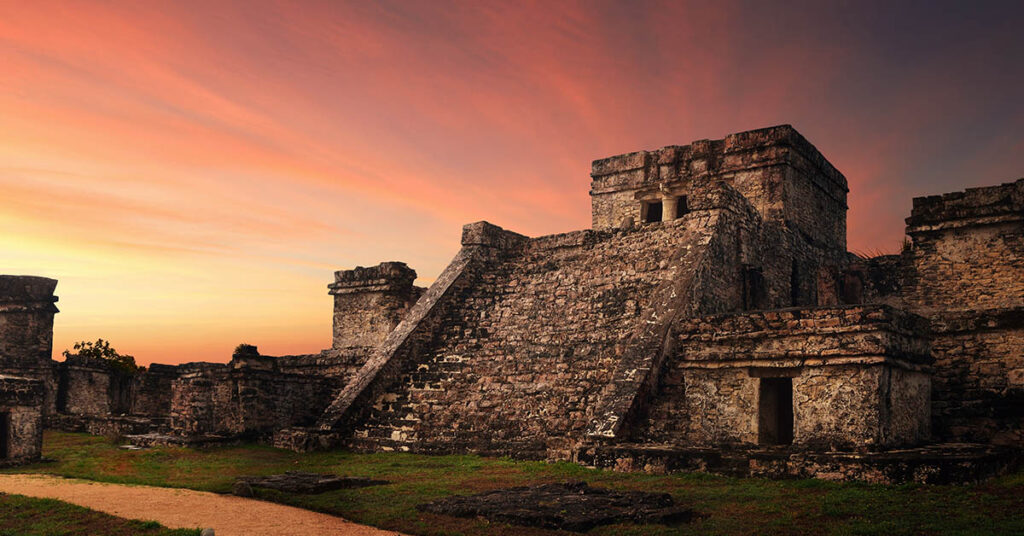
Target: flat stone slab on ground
[[306, 483], [571, 506]]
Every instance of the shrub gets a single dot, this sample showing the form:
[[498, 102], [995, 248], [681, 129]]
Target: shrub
[[101, 349]]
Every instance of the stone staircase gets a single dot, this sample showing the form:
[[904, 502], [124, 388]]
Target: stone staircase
[[392, 422]]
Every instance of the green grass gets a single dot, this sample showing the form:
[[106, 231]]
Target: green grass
[[27, 516], [729, 506]]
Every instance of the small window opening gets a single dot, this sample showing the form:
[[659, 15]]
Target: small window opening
[[775, 412], [5, 435], [681, 208], [652, 211], [755, 293]]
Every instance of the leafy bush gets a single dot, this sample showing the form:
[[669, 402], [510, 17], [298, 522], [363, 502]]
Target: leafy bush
[[101, 349]]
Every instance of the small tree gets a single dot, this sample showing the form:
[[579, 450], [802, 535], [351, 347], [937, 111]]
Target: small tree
[[101, 350]]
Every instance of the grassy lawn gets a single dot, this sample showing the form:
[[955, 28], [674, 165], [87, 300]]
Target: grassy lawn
[[730, 506], [27, 516]]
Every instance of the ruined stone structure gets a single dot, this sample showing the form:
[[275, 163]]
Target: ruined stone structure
[[712, 319], [26, 331], [21, 420]]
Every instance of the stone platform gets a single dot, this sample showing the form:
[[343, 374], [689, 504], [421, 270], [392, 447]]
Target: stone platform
[[949, 463]]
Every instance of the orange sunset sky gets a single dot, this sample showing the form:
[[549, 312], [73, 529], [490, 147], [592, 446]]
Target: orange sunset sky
[[193, 172]]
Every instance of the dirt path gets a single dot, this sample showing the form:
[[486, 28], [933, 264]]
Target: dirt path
[[181, 508]]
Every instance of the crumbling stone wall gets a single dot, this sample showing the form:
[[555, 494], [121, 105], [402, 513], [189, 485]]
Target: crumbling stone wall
[[523, 356], [247, 397], [967, 250], [151, 391], [369, 303], [965, 270], [521, 362], [93, 387], [978, 392], [782, 174], [857, 407], [26, 331], [860, 378], [21, 419]]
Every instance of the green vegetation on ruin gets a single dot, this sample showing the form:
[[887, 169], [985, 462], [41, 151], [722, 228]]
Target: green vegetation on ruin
[[727, 505], [28, 516]]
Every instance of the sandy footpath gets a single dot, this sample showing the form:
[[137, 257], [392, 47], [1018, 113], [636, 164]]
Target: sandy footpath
[[182, 508]]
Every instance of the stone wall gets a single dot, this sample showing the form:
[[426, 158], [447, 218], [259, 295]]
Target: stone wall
[[340, 364], [247, 397], [520, 361], [858, 407], [482, 245], [978, 392], [369, 303], [26, 331], [785, 178], [21, 419], [151, 391], [967, 250], [524, 355], [965, 271], [93, 387], [859, 378]]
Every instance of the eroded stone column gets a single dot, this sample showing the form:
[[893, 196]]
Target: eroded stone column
[[668, 207]]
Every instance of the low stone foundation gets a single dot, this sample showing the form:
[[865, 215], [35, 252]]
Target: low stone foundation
[[306, 439], [951, 463], [166, 440], [108, 426]]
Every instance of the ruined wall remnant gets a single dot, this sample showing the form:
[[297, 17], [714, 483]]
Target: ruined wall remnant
[[151, 391], [978, 393], [93, 387], [776, 169], [26, 331], [858, 378], [21, 419], [965, 270], [967, 250], [369, 303], [247, 397]]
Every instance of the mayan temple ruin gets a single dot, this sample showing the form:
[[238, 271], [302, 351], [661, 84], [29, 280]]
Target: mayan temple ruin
[[711, 320]]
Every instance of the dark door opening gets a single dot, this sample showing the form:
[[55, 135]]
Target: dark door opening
[[652, 211], [5, 435], [775, 418]]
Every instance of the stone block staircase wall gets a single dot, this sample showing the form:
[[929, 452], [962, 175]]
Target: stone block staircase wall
[[520, 365]]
